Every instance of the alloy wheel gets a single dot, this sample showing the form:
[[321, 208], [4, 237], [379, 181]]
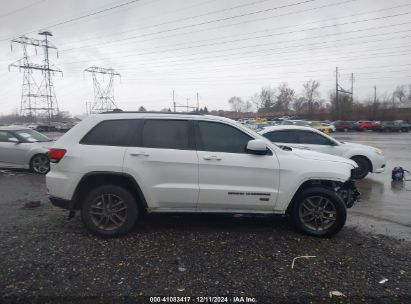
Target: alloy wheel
[[40, 164], [317, 213], [108, 212]]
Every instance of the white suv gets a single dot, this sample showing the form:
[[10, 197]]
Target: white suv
[[115, 166]]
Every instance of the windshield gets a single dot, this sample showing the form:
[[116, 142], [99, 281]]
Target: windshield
[[32, 136]]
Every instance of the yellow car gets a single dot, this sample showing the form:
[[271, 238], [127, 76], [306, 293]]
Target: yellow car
[[320, 127]]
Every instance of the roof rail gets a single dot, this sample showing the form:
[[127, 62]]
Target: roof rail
[[116, 111]]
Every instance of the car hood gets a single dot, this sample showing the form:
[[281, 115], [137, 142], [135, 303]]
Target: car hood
[[306, 154], [356, 146]]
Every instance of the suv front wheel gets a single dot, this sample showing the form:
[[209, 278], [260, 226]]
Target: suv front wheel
[[109, 211], [319, 212]]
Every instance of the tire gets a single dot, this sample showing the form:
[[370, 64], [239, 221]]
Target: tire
[[40, 164], [109, 211], [316, 198], [363, 167]]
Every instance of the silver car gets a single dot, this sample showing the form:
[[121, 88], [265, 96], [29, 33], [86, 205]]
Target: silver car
[[23, 148]]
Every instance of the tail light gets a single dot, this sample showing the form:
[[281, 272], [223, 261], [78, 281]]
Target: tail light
[[55, 155]]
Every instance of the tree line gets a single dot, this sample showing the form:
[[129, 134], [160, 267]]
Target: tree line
[[284, 99]]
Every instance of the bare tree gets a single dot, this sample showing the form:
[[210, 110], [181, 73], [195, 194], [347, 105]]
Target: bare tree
[[400, 94], [310, 93], [299, 104], [265, 100], [285, 97], [248, 106], [236, 104], [344, 109]]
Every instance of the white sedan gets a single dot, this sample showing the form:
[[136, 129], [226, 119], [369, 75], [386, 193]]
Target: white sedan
[[23, 148], [369, 159]]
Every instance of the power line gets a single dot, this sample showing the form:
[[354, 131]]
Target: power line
[[179, 63], [125, 40], [262, 36], [194, 17], [276, 34], [288, 50], [85, 16], [336, 59], [186, 7], [21, 9], [210, 21]]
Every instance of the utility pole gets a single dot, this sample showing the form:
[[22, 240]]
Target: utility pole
[[352, 87], [338, 89], [336, 92], [375, 95], [186, 106], [174, 102], [198, 102], [375, 103], [103, 93]]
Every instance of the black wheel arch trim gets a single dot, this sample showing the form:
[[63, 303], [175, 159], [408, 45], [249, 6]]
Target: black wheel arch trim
[[366, 158], [76, 200]]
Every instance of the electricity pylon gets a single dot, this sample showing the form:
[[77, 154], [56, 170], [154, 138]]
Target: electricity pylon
[[37, 98], [103, 90]]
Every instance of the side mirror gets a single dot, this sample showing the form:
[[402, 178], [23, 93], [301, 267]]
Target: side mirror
[[13, 139], [257, 146]]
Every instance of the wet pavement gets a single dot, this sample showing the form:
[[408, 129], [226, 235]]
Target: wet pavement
[[385, 206]]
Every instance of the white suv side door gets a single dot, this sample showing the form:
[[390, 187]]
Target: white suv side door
[[230, 178], [163, 161]]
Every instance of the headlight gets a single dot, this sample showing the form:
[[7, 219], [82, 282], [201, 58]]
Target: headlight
[[378, 151]]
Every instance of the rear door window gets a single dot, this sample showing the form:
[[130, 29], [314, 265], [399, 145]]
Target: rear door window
[[166, 134]]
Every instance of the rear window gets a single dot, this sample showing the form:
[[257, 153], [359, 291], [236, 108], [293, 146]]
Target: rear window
[[288, 136], [109, 133], [312, 138]]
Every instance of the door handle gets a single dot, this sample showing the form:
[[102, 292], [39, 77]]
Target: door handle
[[140, 153], [212, 157]]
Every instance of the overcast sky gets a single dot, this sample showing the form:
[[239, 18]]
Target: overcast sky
[[218, 48]]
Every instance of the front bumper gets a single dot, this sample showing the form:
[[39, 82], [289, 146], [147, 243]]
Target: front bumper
[[379, 164], [349, 193]]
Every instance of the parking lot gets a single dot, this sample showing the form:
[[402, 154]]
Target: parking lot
[[43, 254]]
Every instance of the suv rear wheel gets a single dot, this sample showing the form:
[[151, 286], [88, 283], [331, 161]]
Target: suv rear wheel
[[319, 212], [109, 211]]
